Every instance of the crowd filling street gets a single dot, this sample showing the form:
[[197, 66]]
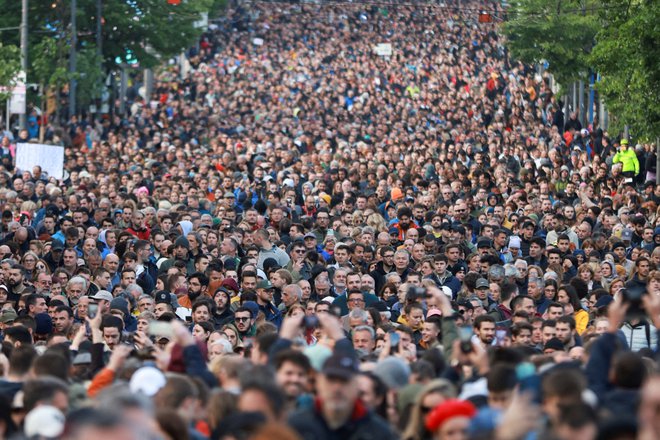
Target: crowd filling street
[[297, 236]]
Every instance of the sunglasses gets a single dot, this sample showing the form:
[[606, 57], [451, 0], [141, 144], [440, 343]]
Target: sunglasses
[[241, 319]]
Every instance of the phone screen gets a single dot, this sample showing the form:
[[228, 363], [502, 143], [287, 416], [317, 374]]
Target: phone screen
[[161, 329], [394, 339], [500, 336], [92, 310]]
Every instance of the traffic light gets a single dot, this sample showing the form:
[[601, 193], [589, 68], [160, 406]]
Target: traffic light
[[128, 58]]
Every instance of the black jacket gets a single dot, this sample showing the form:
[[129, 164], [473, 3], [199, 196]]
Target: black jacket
[[363, 425], [378, 274]]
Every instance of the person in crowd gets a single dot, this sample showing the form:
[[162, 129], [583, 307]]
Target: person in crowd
[[295, 233]]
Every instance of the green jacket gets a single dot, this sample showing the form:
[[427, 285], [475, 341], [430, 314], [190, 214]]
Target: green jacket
[[629, 160]]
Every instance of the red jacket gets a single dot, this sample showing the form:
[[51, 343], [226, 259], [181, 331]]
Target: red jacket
[[142, 235]]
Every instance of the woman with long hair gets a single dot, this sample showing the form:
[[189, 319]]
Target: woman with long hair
[[567, 296], [429, 397]]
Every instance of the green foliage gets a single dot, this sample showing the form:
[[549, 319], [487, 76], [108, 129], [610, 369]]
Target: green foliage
[[561, 32], [144, 31], [217, 8], [138, 32], [89, 77], [10, 64], [627, 55], [48, 68]]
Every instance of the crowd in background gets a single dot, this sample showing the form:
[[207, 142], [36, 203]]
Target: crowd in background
[[300, 237]]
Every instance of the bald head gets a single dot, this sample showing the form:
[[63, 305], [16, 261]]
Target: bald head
[[21, 235]]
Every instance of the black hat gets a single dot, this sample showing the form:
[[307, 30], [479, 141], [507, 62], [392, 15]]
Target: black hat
[[484, 243], [163, 297], [380, 306], [603, 301], [270, 264], [57, 244], [183, 242], [341, 366], [467, 304], [459, 267], [618, 244], [554, 344]]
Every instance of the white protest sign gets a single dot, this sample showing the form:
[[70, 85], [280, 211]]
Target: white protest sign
[[49, 157], [383, 49], [258, 42]]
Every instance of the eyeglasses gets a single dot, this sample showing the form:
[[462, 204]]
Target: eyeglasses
[[355, 300], [241, 319]]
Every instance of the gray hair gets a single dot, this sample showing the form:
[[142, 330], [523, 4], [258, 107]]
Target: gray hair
[[359, 314], [296, 290], [149, 210], [392, 275], [402, 252], [134, 288], [226, 345], [510, 270], [538, 281], [366, 328], [521, 262], [78, 280], [119, 396]]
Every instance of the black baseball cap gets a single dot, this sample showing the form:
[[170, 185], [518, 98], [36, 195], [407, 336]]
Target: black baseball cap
[[341, 366], [163, 297]]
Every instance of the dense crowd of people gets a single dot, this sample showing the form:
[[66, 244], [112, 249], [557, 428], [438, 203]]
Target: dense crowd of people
[[298, 236]]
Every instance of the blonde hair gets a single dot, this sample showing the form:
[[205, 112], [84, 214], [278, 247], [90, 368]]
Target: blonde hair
[[415, 428], [377, 222]]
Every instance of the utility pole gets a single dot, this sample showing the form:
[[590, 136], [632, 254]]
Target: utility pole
[[99, 50], [72, 60], [99, 27], [24, 54], [581, 117]]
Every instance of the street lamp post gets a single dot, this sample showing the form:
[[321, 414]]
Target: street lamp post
[[24, 53], [72, 61]]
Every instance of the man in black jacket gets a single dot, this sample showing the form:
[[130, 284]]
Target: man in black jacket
[[337, 412]]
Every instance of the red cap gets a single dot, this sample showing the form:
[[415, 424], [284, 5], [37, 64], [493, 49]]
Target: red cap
[[448, 410]]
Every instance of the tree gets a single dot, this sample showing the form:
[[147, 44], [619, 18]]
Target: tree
[[10, 64], [143, 31], [138, 32], [627, 56], [560, 32], [49, 69]]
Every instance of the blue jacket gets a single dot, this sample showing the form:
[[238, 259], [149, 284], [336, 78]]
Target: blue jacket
[[272, 314]]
